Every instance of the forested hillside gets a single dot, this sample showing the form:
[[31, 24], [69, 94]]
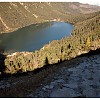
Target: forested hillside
[[68, 67], [85, 37], [14, 15]]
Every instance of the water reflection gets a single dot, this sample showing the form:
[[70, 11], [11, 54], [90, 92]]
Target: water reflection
[[33, 37]]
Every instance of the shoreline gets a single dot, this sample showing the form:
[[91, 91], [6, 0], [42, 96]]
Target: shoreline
[[15, 29], [8, 53], [65, 49]]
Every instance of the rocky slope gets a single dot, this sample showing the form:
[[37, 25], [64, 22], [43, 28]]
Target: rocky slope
[[79, 77], [14, 15], [82, 80]]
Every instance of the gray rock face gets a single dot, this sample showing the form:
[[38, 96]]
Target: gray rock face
[[82, 80], [79, 80], [64, 92]]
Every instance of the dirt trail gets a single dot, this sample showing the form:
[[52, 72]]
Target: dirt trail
[[81, 79]]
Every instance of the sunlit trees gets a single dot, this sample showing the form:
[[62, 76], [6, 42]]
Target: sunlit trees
[[88, 42]]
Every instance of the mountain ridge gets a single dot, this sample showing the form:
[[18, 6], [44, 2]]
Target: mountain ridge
[[14, 15]]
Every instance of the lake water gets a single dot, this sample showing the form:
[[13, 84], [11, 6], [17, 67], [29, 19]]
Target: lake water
[[33, 37]]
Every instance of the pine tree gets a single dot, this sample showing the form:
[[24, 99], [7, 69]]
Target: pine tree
[[88, 42]]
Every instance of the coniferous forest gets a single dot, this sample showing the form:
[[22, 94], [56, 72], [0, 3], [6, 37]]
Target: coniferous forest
[[70, 65]]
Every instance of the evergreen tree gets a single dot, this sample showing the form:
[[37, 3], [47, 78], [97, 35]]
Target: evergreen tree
[[88, 42]]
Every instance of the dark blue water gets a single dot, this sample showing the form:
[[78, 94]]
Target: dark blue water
[[33, 37]]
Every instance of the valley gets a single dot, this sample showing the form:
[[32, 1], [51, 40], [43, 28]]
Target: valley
[[58, 66], [34, 37], [14, 15]]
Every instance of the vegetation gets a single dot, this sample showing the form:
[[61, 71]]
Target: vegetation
[[85, 37], [14, 15]]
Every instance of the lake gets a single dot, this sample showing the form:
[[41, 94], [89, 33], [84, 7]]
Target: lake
[[33, 37]]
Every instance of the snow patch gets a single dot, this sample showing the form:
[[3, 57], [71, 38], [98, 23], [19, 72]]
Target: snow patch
[[26, 8], [35, 15], [21, 3], [4, 23], [13, 4], [9, 7], [48, 3]]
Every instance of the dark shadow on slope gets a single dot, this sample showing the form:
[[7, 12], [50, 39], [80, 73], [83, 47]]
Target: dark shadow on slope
[[38, 77], [46, 66], [2, 65], [91, 52]]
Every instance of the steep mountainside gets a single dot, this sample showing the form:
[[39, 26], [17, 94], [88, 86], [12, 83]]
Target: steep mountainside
[[79, 77], [84, 39], [55, 70], [14, 15]]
